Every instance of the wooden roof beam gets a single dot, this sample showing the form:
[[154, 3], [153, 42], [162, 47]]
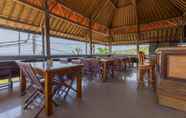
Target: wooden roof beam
[[113, 4], [63, 18], [99, 9], [2, 17]]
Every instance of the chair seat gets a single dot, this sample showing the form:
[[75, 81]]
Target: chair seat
[[145, 65]]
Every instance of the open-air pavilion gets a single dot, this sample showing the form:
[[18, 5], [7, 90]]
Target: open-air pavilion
[[90, 85]]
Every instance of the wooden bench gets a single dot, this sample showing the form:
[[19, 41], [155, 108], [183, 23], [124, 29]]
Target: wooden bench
[[8, 70], [171, 87], [172, 93]]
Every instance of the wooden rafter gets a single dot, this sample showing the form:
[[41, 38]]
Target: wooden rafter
[[2, 17], [55, 15]]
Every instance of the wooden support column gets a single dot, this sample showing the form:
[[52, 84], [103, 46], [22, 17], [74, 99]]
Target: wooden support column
[[90, 39], [19, 43], [137, 46], [34, 44], [47, 75], [43, 42], [138, 28], [182, 23], [110, 45], [93, 49], [46, 29], [86, 51]]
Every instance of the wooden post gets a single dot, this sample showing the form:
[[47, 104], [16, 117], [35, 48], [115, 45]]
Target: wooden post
[[182, 24], [48, 93], [138, 29], [90, 38], [34, 44], [48, 82], [86, 52], [93, 49], [43, 42], [47, 30], [19, 43], [137, 46], [110, 45]]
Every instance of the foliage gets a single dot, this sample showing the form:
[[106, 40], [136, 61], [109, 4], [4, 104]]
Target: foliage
[[103, 51], [131, 51], [77, 51]]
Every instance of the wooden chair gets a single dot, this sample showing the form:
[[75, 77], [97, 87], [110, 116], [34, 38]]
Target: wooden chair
[[8, 70], [91, 68], [116, 67], [37, 84], [145, 66]]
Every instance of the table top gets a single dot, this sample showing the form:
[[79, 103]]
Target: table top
[[54, 65]]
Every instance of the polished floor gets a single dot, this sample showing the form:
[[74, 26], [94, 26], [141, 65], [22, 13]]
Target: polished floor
[[116, 98]]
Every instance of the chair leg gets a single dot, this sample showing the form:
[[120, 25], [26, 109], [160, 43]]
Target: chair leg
[[141, 73], [68, 89], [70, 86], [40, 110], [30, 101], [10, 83], [27, 99]]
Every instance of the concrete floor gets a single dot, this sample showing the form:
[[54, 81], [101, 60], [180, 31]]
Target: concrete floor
[[116, 98]]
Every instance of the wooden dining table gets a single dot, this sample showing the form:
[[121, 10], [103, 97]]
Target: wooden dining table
[[48, 71], [105, 65]]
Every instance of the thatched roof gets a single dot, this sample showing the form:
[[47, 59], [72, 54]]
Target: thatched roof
[[118, 21]]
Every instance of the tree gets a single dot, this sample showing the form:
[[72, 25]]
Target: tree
[[77, 51], [103, 51]]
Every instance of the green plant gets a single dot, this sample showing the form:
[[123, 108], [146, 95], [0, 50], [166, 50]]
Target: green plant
[[77, 51], [103, 50]]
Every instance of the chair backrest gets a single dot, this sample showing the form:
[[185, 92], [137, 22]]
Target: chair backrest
[[141, 57], [30, 74], [91, 65]]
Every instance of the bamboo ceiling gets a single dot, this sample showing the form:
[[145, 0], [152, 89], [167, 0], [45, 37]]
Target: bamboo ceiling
[[116, 21]]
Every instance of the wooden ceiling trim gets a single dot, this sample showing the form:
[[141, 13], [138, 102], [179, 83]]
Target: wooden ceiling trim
[[19, 25], [112, 4], [99, 9], [65, 26], [4, 18], [59, 25], [29, 15], [25, 2], [174, 22], [12, 7], [74, 30], [67, 33], [180, 4], [2, 5]]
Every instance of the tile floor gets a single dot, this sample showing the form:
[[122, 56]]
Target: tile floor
[[116, 98]]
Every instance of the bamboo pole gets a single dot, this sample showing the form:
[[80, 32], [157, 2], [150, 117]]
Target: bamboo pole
[[46, 30]]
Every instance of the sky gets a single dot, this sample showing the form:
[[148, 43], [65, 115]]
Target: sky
[[58, 45]]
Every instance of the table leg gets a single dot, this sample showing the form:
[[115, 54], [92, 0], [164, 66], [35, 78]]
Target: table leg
[[22, 83], [79, 87], [48, 94], [140, 77], [104, 71], [153, 78]]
